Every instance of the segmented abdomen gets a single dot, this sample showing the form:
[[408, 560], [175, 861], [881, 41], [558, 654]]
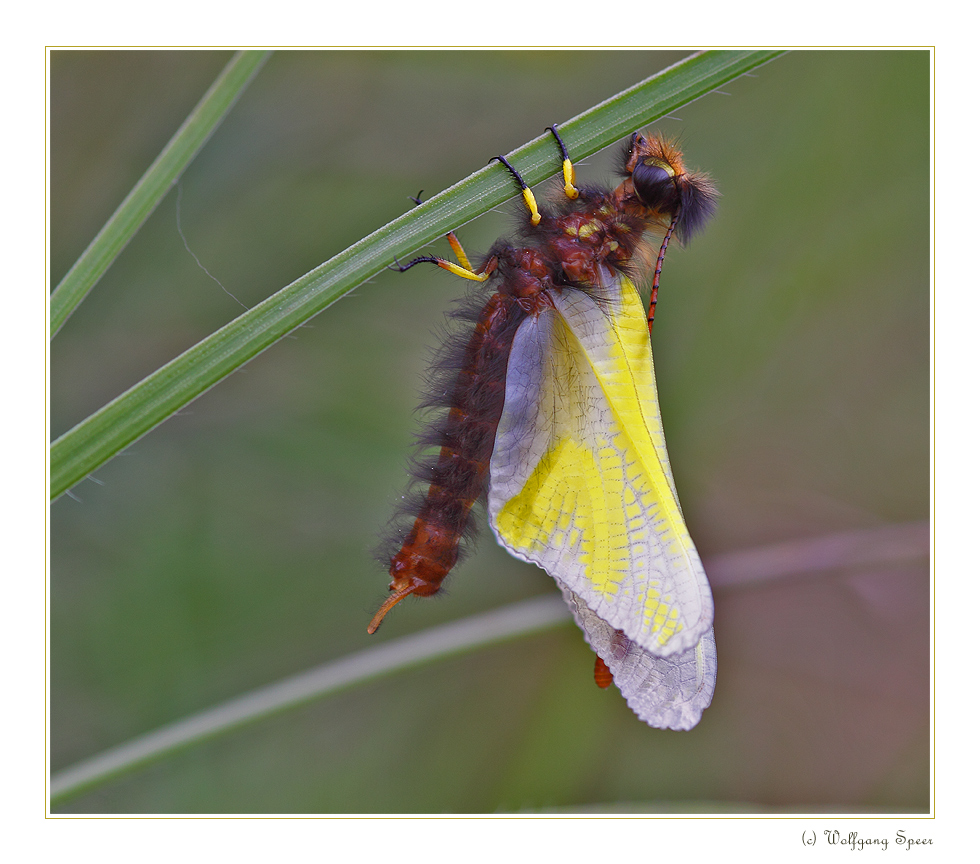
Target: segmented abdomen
[[469, 381]]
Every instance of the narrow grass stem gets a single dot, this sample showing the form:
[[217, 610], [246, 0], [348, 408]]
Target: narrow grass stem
[[153, 185], [745, 568]]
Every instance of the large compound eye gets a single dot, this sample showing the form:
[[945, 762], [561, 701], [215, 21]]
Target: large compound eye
[[654, 185]]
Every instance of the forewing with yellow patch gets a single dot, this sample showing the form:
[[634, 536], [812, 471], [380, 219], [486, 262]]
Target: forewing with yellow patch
[[581, 486]]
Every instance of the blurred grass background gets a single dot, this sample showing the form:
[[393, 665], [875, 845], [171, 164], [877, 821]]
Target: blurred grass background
[[231, 546]]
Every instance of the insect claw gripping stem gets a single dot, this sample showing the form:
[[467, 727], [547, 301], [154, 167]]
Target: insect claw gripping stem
[[464, 269], [401, 268], [530, 203], [567, 169]]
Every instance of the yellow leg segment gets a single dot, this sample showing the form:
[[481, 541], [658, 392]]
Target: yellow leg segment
[[458, 252], [531, 205], [568, 172], [462, 272], [567, 169], [464, 269]]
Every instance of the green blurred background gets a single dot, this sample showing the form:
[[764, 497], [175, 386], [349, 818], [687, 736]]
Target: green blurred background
[[231, 546]]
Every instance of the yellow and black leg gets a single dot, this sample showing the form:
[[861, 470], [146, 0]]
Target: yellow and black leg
[[464, 269], [529, 202], [567, 169], [568, 173]]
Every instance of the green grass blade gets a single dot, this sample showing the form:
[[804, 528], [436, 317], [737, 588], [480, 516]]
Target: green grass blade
[[517, 620], [154, 185], [134, 413]]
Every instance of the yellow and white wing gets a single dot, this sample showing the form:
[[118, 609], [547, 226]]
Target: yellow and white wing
[[581, 486]]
